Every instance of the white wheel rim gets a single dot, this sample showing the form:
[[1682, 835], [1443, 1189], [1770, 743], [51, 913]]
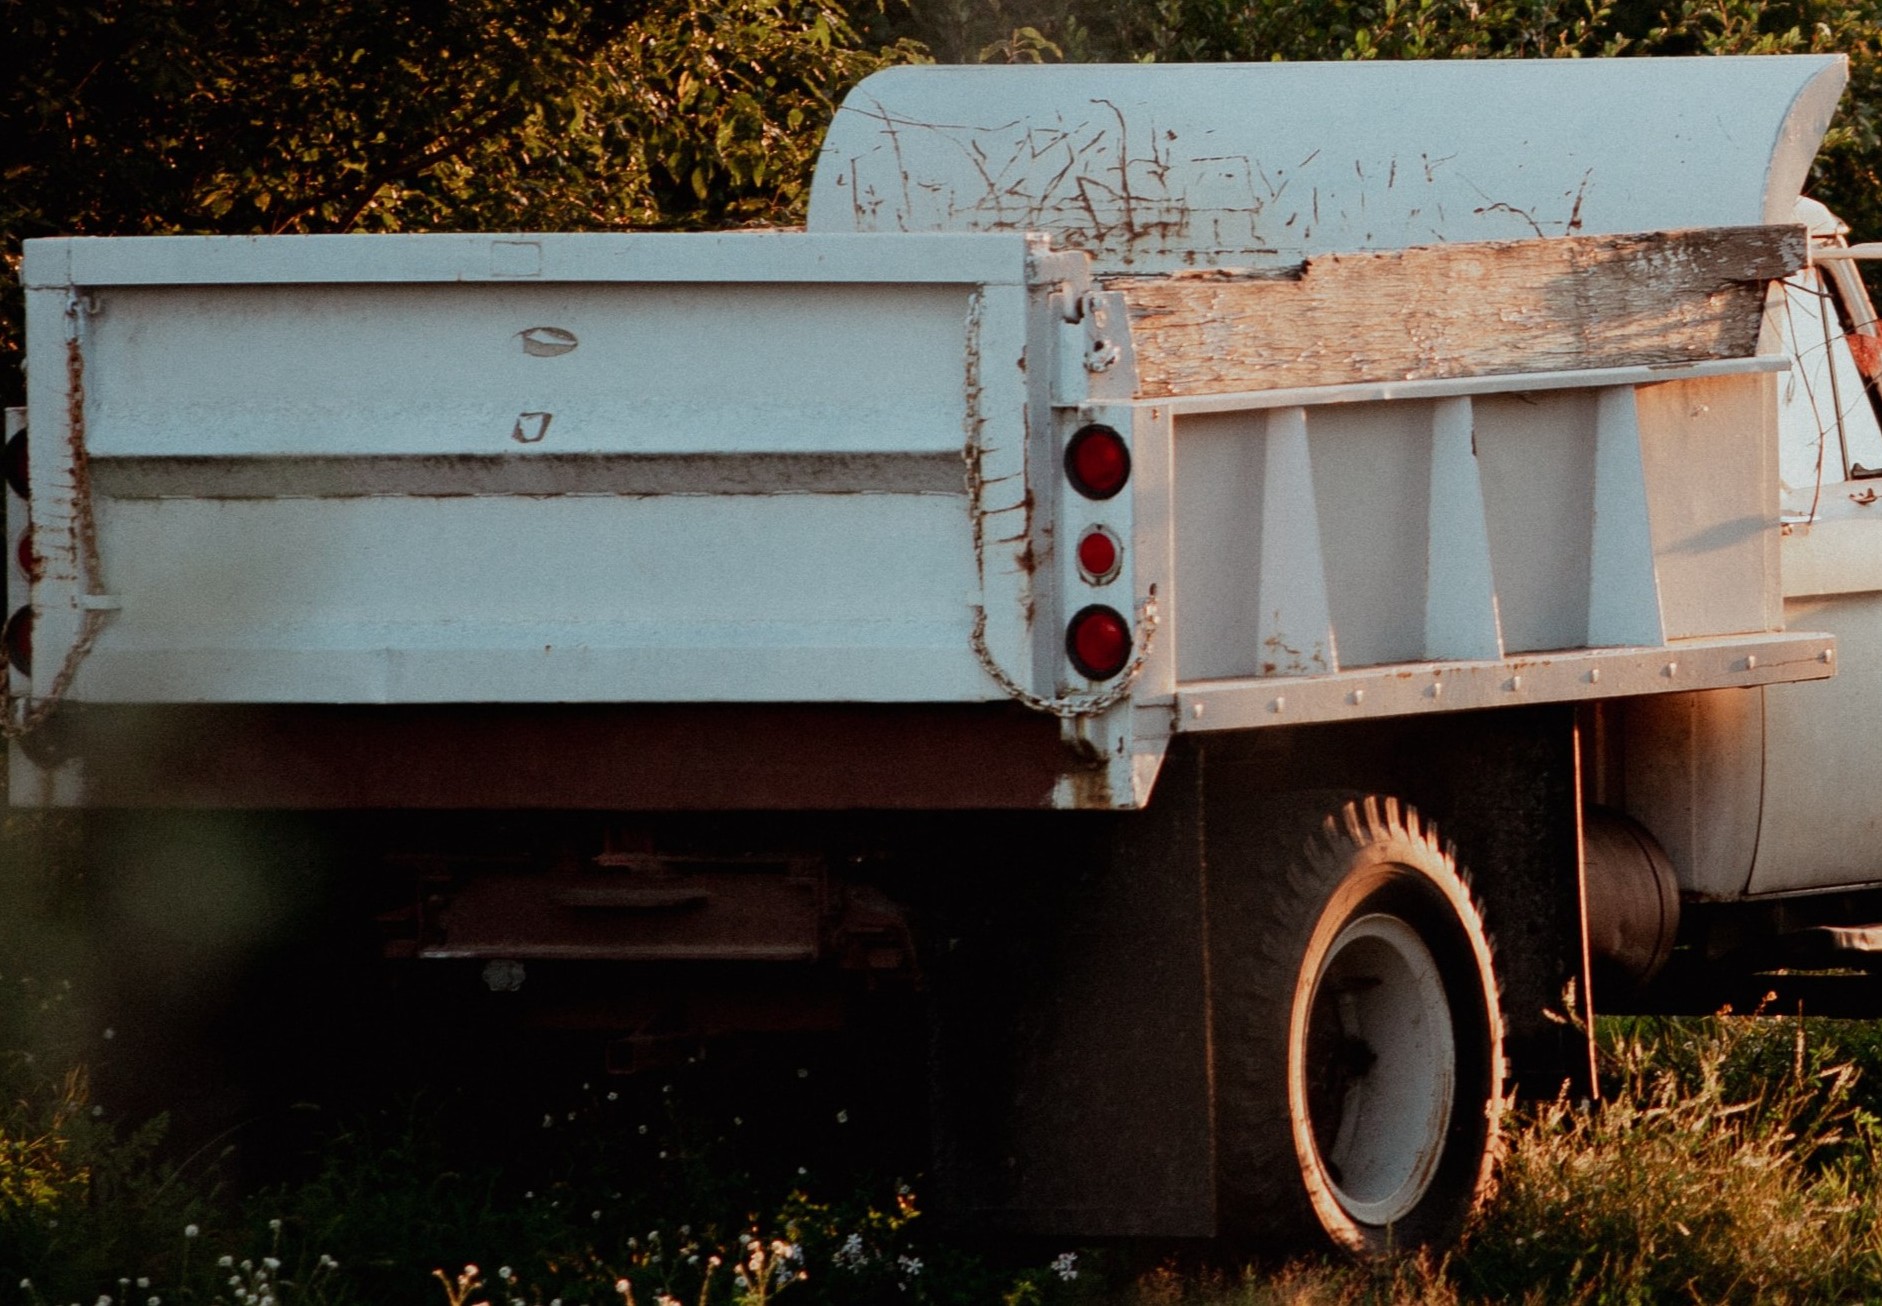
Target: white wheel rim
[[1393, 1110]]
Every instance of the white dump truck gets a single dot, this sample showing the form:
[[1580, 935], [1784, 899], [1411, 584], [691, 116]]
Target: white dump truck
[[1255, 594]]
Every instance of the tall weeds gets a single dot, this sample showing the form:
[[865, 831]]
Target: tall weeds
[[1734, 1159]]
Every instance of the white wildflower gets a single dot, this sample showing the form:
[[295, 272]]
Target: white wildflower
[[1066, 1266], [190, 1231]]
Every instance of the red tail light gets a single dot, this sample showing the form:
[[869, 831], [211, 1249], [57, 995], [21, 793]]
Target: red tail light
[[1099, 642], [1097, 461], [18, 638], [1099, 555]]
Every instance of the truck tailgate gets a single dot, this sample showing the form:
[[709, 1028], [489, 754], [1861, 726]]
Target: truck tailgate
[[519, 468]]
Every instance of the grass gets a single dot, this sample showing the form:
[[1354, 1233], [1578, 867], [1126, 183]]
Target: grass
[[1734, 1159]]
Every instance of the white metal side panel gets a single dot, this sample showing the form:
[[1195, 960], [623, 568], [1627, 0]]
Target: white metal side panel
[[551, 598], [1822, 825], [1158, 166], [1536, 455], [537, 469], [507, 370]]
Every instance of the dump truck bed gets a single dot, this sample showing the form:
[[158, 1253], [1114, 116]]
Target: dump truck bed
[[829, 468]]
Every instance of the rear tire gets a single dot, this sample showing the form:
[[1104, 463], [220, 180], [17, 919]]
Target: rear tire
[[1359, 1039]]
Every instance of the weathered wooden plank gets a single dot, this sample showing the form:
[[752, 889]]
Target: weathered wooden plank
[[1459, 310]]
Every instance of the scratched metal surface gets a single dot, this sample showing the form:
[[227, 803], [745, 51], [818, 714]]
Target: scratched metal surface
[[1157, 167], [561, 468]]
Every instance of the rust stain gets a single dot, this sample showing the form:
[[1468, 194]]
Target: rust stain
[[1090, 784]]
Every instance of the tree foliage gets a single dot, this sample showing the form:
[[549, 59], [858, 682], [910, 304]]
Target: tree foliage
[[137, 117], [133, 117]]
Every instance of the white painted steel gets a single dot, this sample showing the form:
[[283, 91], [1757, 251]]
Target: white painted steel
[[1293, 615], [731, 473], [1822, 824], [1565, 676], [1160, 166], [1460, 600], [1819, 826], [1623, 587], [1368, 392], [1459, 527], [1387, 994], [1693, 772], [642, 258]]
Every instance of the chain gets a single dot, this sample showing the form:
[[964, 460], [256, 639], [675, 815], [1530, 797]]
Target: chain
[[1073, 705], [22, 715]]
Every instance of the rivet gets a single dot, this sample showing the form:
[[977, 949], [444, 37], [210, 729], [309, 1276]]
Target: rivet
[[1594, 675], [1195, 711], [1669, 669], [1751, 662], [1279, 704], [1516, 683], [1357, 697], [1434, 691], [1827, 655]]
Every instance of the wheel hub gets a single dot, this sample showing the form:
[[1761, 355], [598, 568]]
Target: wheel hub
[[1380, 1068]]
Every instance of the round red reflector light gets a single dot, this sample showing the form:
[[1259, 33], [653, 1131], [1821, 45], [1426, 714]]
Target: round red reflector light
[[1099, 554], [27, 559], [18, 638], [1097, 461], [1098, 642], [14, 461]]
